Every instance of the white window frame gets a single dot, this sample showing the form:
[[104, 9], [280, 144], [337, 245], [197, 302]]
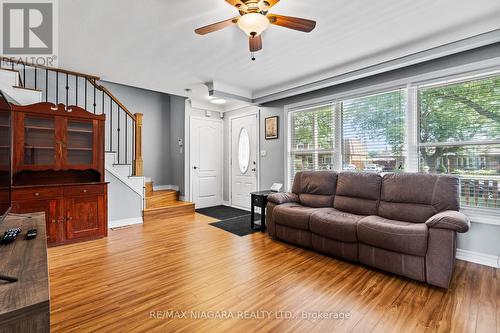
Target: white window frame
[[411, 84]]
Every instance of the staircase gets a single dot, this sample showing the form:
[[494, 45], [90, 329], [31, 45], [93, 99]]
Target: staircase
[[27, 84], [164, 204]]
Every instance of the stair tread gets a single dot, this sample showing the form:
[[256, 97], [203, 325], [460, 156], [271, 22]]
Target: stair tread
[[174, 204], [162, 192], [30, 89]]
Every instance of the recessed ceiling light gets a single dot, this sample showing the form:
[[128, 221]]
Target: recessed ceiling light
[[218, 101]]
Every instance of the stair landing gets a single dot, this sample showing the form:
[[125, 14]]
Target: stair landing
[[165, 204]]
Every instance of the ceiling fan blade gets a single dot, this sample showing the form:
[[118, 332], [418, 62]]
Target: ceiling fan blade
[[216, 26], [255, 43], [271, 3], [240, 5], [294, 23]]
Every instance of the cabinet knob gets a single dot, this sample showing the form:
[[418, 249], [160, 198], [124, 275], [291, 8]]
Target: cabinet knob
[[69, 218], [84, 191], [54, 221], [36, 194]]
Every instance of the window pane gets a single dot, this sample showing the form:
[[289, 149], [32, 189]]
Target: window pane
[[302, 162], [459, 119], [373, 131], [325, 128], [467, 111], [311, 140], [302, 131]]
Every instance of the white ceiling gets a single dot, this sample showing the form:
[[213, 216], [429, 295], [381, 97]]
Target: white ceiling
[[151, 44]]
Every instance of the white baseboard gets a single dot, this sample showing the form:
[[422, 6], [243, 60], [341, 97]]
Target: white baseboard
[[479, 258], [226, 203], [165, 187], [124, 222]]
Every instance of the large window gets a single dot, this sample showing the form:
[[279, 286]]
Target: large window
[[373, 132], [447, 128], [460, 134], [311, 140]]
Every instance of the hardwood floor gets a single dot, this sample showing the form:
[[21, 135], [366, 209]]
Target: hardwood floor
[[183, 264]]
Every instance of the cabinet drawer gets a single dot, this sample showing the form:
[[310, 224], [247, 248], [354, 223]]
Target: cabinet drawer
[[257, 201], [36, 193], [84, 190]]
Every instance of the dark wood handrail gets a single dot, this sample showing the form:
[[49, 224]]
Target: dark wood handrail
[[54, 69], [107, 92]]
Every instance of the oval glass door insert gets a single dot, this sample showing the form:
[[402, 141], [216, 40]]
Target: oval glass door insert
[[244, 150]]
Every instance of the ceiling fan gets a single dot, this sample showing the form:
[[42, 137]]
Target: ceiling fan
[[255, 18]]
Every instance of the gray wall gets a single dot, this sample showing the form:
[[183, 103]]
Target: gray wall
[[163, 126], [156, 127], [177, 153], [272, 167]]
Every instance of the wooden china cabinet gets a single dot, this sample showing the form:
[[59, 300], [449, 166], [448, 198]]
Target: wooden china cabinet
[[58, 168]]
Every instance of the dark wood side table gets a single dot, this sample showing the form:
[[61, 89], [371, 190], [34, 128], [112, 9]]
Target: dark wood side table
[[259, 199]]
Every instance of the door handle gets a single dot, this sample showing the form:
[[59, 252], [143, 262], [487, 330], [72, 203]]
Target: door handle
[[195, 167]]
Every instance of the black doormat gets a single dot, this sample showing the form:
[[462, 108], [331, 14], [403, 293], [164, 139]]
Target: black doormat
[[239, 226], [222, 212]]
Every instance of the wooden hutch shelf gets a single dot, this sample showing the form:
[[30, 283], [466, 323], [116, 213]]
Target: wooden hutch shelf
[[58, 168]]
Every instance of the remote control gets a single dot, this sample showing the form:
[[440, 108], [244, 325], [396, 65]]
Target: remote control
[[10, 235], [8, 278], [31, 234]]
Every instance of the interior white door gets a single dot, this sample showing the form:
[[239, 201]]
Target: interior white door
[[244, 145], [206, 148]]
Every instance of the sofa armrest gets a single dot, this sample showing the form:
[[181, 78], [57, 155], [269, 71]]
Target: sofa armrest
[[451, 220], [283, 198]]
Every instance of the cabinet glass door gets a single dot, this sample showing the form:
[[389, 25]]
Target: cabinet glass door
[[80, 136], [4, 142], [39, 141]]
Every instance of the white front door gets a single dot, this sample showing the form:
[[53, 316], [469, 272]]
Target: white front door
[[206, 148], [244, 136]]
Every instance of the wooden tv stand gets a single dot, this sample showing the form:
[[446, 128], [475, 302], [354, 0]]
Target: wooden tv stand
[[24, 305]]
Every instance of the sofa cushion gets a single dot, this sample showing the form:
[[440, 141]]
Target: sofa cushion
[[397, 236], [416, 197], [335, 248], [315, 189], [334, 224], [294, 236], [293, 215], [358, 192]]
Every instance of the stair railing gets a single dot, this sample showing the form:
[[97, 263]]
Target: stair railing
[[59, 86]]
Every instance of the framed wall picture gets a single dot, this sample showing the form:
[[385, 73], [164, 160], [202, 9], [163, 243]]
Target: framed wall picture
[[272, 128]]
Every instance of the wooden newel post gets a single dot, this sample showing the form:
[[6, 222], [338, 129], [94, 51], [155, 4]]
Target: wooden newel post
[[138, 162]]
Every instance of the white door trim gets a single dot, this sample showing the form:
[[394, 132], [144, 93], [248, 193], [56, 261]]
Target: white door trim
[[190, 165], [255, 112]]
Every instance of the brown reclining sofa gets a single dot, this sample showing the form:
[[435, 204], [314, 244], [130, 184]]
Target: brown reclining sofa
[[403, 223]]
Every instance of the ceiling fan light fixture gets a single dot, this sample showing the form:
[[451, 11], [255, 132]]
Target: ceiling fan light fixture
[[253, 24]]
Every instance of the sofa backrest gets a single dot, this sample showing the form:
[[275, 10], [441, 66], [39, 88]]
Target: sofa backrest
[[414, 197], [315, 188], [358, 192]]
